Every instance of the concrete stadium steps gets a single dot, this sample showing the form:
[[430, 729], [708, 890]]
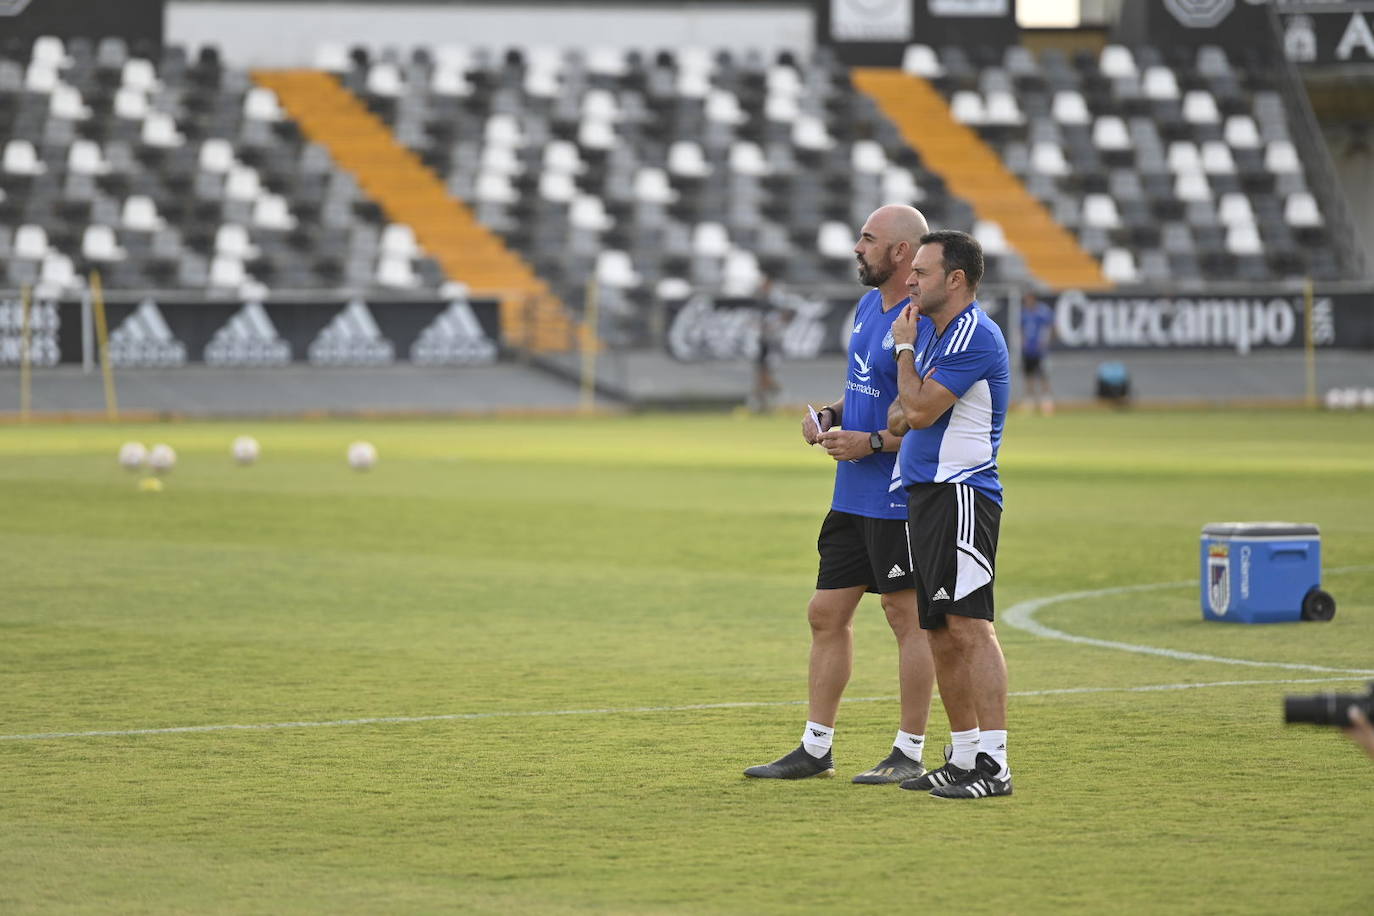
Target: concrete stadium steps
[[975, 172], [408, 192]]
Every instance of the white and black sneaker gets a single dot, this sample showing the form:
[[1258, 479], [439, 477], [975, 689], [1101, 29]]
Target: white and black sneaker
[[946, 775], [896, 767], [986, 779], [799, 764]]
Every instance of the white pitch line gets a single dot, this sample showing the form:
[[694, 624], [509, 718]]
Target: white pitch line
[[615, 710], [1022, 617]]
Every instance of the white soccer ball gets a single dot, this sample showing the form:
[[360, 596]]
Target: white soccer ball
[[132, 455], [361, 456], [161, 458], [245, 450]]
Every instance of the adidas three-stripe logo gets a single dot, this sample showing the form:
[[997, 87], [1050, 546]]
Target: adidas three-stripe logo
[[895, 572], [984, 786]]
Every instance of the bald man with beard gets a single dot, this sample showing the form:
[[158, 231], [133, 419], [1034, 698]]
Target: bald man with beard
[[863, 541]]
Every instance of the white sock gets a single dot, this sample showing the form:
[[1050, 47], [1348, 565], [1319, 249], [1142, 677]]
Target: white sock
[[909, 744], [817, 738], [965, 748], [993, 742]]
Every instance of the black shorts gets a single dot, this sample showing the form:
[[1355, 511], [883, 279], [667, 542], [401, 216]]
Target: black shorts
[[857, 550], [953, 536], [1032, 366]]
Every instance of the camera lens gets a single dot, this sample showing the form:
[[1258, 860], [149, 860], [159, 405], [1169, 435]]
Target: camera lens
[[1321, 709]]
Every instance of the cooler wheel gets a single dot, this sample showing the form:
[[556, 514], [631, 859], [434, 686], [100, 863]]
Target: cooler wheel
[[1318, 605]]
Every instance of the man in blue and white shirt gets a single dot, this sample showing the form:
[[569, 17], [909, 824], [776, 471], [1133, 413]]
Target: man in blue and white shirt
[[862, 543], [953, 379]]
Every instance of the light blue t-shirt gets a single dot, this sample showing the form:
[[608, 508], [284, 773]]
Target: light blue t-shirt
[[861, 487], [970, 359]]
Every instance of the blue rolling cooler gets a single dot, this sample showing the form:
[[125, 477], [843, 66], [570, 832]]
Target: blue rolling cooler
[[1263, 572]]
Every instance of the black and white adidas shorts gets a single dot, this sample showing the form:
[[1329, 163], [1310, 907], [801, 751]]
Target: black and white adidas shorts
[[857, 550], [952, 530]]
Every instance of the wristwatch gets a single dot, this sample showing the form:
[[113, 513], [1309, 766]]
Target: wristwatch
[[875, 439]]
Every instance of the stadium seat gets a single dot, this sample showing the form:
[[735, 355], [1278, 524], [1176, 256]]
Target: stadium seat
[[615, 269], [899, 185], [160, 130], [50, 51], [227, 273], [396, 272], [1241, 132], [57, 275], [1185, 158], [1160, 84], [98, 243], [22, 159], [67, 104], [1119, 266], [1002, 109], [921, 60], [1200, 107], [384, 80], [140, 213], [260, 104], [1300, 211], [651, 186], [589, 212], [1070, 108], [967, 108], [1244, 239], [809, 133], [270, 211], [1116, 61], [1281, 158], [232, 241], [989, 234], [138, 75], [1048, 159], [1100, 210], [85, 157], [1216, 158], [835, 240], [41, 78], [30, 243]]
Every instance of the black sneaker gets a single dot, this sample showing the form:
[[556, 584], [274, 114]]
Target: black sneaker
[[986, 779], [797, 765], [946, 775], [894, 768]]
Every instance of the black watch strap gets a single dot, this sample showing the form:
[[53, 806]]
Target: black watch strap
[[875, 439]]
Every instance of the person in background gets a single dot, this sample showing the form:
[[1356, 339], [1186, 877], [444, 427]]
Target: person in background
[[772, 321], [1037, 334]]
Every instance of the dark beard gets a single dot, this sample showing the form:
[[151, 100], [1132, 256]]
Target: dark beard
[[870, 276]]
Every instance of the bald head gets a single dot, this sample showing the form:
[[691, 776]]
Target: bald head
[[887, 243], [903, 223]]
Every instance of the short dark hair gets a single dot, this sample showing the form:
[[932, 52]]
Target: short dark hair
[[960, 251]]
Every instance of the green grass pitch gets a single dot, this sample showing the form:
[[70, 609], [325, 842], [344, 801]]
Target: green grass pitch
[[588, 627]]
